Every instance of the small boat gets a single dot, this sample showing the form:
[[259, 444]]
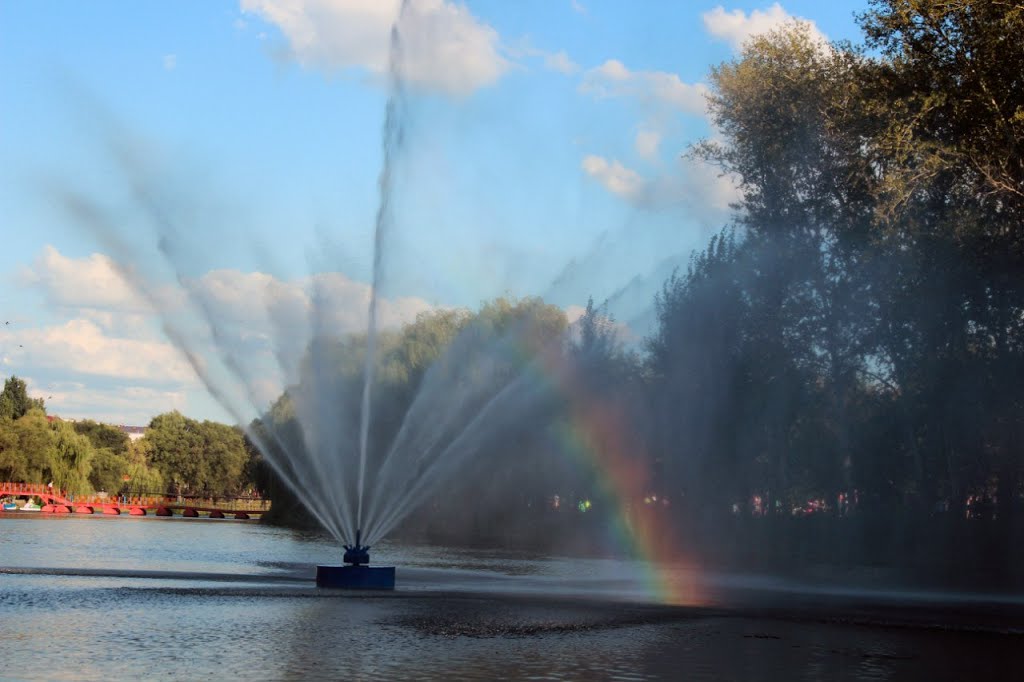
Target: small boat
[[31, 506], [10, 506]]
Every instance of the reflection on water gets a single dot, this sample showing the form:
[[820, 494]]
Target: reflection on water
[[123, 598]]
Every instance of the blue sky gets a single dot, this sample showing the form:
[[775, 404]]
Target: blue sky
[[542, 155]]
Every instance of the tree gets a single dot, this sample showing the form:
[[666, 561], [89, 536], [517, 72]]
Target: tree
[[177, 452], [14, 399], [108, 470], [953, 191], [71, 459], [25, 448], [140, 477], [871, 311], [954, 106], [103, 436], [194, 457], [226, 459]]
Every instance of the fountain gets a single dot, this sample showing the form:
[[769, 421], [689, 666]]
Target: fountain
[[317, 436], [356, 574]]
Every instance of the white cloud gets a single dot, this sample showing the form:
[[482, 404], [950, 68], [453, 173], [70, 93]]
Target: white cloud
[[82, 347], [618, 179], [91, 282], [348, 301], [260, 305], [574, 312], [94, 288], [252, 330], [613, 79], [443, 46], [240, 334], [553, 61], [118, 404], [578, 7], [227, 319], [170, 61], [736, 27], [694, 185], [560, 62], [647, 143], [706, 189]]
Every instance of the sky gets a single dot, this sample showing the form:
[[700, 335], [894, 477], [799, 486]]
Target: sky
[[177, 176]]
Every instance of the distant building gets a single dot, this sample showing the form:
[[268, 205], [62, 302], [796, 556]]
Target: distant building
[[134, 432]]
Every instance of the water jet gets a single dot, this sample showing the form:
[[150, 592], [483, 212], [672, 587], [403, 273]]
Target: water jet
[[356, 573]]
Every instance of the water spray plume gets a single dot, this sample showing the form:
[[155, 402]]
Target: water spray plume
[[391, 142]]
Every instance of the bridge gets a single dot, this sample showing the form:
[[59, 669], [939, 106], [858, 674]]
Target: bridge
[[61, 502]]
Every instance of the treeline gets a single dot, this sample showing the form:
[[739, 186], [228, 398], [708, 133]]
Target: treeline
[[861, 329], [176, 455]]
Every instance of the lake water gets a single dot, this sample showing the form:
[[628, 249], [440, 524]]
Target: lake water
[[88, 598]]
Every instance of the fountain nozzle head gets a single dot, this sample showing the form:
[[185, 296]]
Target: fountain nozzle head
[[356, 575], [356, 554]]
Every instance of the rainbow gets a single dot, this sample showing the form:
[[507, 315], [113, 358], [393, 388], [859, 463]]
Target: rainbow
[[597, 435]]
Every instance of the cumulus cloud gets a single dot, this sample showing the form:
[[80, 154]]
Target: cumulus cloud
[[258, 303], [115, 404], [91, 282], [82, 347], [253, 330], [560, 62], [621, 181], [647, 143], [736, 26], [94, 288], [552, 61], [444, 47], [241, 333], [691, 184], [613, 79]]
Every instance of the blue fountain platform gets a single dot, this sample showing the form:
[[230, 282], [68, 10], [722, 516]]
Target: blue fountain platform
[[356, 577]]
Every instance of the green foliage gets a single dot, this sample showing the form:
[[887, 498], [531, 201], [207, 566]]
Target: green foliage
[[197, 457], [419, 344], [71, 459], [25, 448], [78, 457], [14, 399], [867, 330], [953, 106], [108, 470], [103, 436], [142, 477]]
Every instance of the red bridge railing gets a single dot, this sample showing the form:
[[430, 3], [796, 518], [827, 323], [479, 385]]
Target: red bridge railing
[[61, 501]]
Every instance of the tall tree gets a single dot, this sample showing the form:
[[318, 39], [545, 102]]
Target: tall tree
[[103, 435], [71, 459], [25, 448], [15, 401]]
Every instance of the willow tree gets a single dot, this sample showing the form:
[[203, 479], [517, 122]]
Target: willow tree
[[70, 460]]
